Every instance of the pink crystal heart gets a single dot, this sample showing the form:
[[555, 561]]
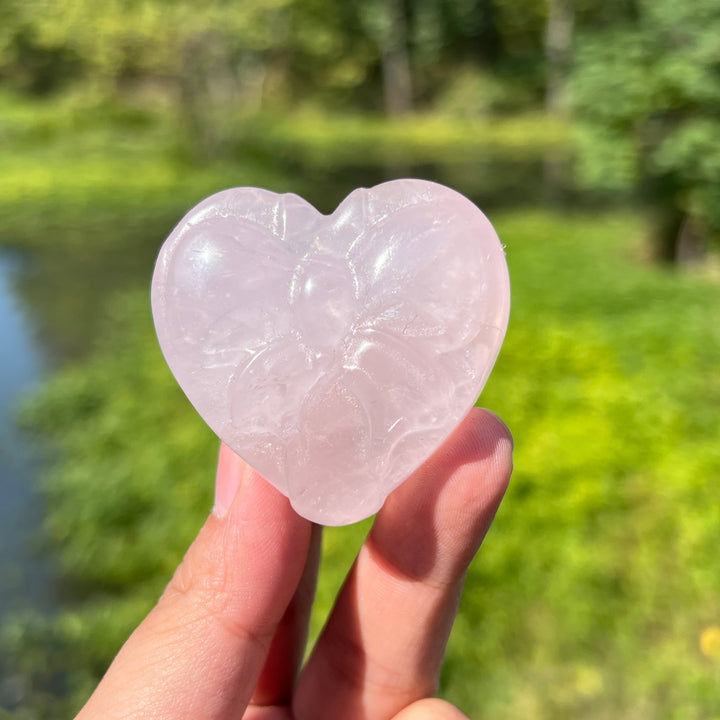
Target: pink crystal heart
[[333, 353]]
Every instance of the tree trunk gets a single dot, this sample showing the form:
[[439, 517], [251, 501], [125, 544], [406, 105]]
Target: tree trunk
[[692, 242], [679, 238], [397, 77], [558, 54], [668, 227]]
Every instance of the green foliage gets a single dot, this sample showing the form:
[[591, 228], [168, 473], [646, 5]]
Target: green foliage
[[329, 140], [600, 573], [648, 92], [474, 93], [120, 38], [206, 63]]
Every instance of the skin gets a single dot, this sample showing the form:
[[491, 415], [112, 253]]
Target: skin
[[226, 638]]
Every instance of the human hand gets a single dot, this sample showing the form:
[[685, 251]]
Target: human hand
[[227, 637]]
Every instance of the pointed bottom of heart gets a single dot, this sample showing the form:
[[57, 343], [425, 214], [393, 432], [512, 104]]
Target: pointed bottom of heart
[[334, 509]]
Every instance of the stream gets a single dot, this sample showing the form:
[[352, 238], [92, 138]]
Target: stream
[[26, 575]]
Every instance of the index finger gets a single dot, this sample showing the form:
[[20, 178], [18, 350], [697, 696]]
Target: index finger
[[383, 645]]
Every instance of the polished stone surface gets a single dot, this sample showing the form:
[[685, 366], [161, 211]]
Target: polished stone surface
[[333, 353]]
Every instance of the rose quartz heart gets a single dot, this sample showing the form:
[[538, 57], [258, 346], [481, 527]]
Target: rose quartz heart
[[333, 353]]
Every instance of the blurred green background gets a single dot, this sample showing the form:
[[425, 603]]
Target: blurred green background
[[589, 132]]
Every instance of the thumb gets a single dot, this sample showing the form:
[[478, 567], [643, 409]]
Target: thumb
[[200, 651]]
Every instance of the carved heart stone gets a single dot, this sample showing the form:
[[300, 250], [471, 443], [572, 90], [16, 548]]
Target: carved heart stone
[[333, 353]]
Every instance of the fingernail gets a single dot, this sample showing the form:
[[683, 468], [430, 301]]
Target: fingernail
[[227, 481]]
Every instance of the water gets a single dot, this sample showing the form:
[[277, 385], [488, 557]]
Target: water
[[25, 577]]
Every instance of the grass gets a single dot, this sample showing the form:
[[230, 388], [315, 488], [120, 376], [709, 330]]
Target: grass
[[335, 140], [599, 578]]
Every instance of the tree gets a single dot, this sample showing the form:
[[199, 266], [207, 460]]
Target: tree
[[647, 92], [207, 59], [558, 52], [385, 22]]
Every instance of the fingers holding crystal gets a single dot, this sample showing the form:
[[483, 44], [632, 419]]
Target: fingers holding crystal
[[383, 645]]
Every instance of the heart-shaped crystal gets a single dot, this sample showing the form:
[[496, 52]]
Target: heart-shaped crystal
[[333, 353]]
